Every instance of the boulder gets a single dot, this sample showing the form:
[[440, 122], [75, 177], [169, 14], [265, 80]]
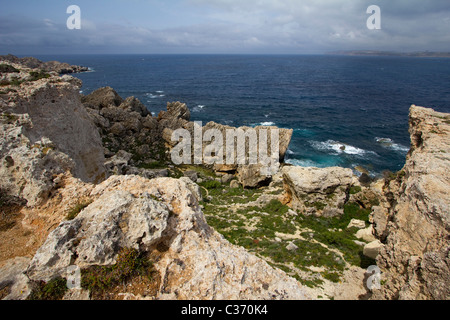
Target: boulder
[[355, 223], [191, 174], [103, 98], [379, 216], [291, 247], [366, 234], [177, 116], [250, 176], [372, 249], [321, 192], [132, 104]]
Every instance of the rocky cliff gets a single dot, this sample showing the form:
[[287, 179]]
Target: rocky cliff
[[84, 186], [46, 131], [53, 162], [414, 226]]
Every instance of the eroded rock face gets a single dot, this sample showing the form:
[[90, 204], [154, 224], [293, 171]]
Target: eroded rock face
[[46, 131], [322, 192], [125, 125], [250, 175], [415, 259], [196, 262]]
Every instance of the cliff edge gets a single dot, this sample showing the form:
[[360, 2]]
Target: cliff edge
[[414, 228]]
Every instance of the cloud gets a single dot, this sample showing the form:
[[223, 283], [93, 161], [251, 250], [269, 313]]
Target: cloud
[[236, 26]]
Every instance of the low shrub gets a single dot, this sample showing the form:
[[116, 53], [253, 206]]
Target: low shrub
[[52, 290]]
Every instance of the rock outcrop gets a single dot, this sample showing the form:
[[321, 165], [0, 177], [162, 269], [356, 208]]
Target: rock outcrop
[[55, 66], [160, 216], [415, 258], [125, 124], [46, 131], [322, 192], [250, 175]]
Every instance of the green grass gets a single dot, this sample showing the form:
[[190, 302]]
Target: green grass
[[76, 209], [355, 189], [256, 228], [6, 68], [333, 232], [52, 290], [37, 75], [318, 205], [130, 263], [13, 82]]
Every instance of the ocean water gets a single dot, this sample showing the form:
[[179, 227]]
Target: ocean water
[[345, 111]]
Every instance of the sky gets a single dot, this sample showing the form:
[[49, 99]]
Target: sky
[[222, 26]]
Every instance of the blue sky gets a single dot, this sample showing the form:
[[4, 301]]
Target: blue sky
[[222, 26]]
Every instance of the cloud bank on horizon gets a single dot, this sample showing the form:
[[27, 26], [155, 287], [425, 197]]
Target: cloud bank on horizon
[[223, 26]]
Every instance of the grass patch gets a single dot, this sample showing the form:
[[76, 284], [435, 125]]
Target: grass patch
[[9, 118], [37, 75], [355, 189], [52, 290], [7, 68], [13, 82], [201, 170], [332, 276], [76, 209], [333, 232], [130, 263], [153, 165], [318, 205], [211, 184], [262, 229]]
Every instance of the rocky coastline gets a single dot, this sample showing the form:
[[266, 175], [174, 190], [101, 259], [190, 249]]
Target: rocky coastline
[[87, 184], [50, 66]]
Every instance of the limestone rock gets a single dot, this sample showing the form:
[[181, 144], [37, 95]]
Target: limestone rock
[[379, 216], [372, 249], [132, 104], [125, 125], [415, 257], [250, 176], [234, 184], [317, 191], [14, 280], [291, 247], [366, 234], [103, 98], [198, 263], [355, 223], [191, 174], [55, 111], [177, 116], [38, 125]]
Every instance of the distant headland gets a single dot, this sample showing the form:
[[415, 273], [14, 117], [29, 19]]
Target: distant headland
[[419, 54]]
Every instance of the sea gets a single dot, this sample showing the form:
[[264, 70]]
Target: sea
[[346, 111]]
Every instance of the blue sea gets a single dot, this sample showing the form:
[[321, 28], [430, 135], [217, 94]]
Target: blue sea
[[361, 103]]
